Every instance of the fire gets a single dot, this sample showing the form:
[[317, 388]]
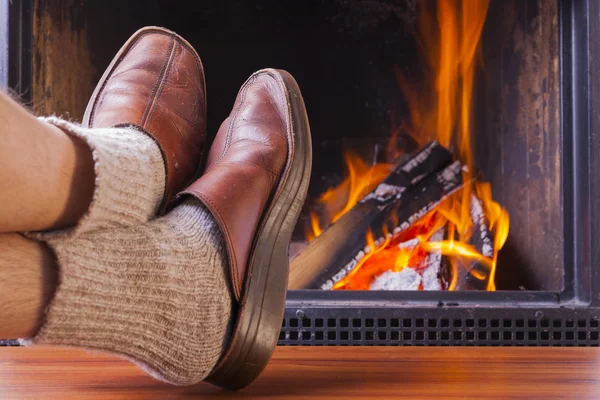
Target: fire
[[450, 40], [392, 255], [362, 179]]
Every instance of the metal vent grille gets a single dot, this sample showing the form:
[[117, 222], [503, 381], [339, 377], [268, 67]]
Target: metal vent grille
[[439, 331], [430, 331]]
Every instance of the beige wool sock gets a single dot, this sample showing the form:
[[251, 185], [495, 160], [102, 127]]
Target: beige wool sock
[[130, 178], [157, 294]]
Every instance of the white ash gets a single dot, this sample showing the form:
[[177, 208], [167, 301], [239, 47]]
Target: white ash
[[433, 262], [344, 271], [384, 192], [448, 176], [407, 279], [431, 278], [339, 276], [409, 244], [419, 158], [327, 285], [478, 217], [420, 214], [404, 226], [476, 210]]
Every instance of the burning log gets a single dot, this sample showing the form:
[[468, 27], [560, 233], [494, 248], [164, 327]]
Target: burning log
[[410, 191], [433, 277], [427, 197], [476, 275]]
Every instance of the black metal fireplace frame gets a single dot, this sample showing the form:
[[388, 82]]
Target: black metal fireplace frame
[[570, 317]]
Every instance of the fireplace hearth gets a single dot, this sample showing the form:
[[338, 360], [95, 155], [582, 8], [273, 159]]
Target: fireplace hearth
[[536, 120]]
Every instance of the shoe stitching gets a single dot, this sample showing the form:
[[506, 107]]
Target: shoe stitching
[[233, 119], [159, 84], [121, 55]]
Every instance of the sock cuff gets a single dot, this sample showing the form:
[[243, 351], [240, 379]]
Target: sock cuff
[[129, 178]]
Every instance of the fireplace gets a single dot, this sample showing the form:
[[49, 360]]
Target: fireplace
[[534, 139]]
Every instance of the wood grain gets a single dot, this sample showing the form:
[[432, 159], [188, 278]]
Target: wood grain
[[64, 75], [73, 42], [517, 138], [322, 372]]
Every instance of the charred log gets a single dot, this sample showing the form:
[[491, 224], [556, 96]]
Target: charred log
[[411, 191], [475, 275]]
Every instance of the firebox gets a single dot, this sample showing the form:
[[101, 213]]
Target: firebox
[[533, 138]]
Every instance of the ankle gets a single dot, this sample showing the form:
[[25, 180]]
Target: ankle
[[28, 285], [77, 185], [62, 187], [110, 177]]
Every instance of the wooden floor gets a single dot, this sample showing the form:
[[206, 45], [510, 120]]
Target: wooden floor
[[322, 372]]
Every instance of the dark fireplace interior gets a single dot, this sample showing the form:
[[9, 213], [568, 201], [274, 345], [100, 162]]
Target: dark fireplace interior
[[345, 55]]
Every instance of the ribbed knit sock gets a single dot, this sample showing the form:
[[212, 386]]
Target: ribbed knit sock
[[156, 293], [130, 178]]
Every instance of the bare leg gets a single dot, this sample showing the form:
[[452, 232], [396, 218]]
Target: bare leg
[[46, 176], [27, 281]]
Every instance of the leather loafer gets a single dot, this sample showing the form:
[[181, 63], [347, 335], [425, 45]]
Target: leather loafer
[[156, 84], [255, 184]]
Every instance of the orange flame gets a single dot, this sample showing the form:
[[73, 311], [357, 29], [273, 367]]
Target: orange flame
[[389, 255], [337, 201], [450, 43]]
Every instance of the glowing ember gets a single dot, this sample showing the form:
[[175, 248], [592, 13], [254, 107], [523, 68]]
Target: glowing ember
[[450, 41]]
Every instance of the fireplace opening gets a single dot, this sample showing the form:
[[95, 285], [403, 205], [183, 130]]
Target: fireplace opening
[[413, 232], [361, 66]]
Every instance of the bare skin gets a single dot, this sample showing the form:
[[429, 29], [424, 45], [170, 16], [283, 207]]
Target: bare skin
[[46, 182], [46, 177], [28, 279]]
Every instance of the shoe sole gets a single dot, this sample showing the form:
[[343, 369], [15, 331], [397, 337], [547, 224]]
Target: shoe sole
[[263, 297]]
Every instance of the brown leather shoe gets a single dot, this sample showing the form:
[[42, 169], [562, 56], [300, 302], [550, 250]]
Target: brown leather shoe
[[255, 184], [156, 83]]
